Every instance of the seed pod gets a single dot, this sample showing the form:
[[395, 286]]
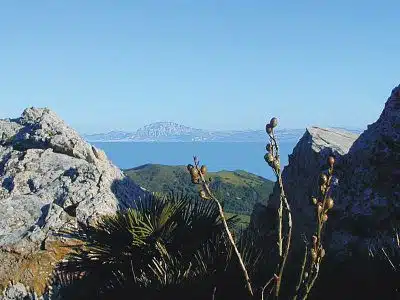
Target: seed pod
[[194, 172], [273, 122], [324, 217], [276, 165], [319, 208], [322, 188], [313, 255], [314, 200], [189, 167], [202, 194], [268, 147], [314, 239], [323, 179], [322, 252], [269, 158], [329, 203], [331, 160], [203, 169], [268, 128]]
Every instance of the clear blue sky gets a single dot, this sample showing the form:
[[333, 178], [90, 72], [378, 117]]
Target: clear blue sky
[[104, 65]]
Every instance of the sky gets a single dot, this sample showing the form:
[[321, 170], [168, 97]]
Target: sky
[[211, 64]]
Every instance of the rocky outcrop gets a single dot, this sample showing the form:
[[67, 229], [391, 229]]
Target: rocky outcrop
[[309, 159], [50, 178], [366, 190], [369, 196]]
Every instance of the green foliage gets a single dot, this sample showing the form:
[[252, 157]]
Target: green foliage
[[237, 190], [165, 245], [243, 220]]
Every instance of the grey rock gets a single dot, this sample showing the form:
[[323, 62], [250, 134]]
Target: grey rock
[[17, 292], [51, 179], [367, 190]]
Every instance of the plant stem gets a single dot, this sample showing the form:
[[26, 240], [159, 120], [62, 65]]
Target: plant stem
[[228, 232], [283, 204], [284, 201], [314, 267], [301, 273], [308, 289], [214, 291], [265, 286], [280, 239], [285, 255]]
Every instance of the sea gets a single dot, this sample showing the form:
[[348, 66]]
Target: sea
[[218, 156]]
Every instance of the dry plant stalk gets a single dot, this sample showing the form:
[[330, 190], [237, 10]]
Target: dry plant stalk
[[272, 158], [317, 252], [197, 173]]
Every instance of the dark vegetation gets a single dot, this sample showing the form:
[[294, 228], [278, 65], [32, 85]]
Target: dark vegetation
[[173, 246]]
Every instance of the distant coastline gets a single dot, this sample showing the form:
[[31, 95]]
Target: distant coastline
[[170, 132]]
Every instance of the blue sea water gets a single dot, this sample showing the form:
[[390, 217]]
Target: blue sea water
[[248, 156]]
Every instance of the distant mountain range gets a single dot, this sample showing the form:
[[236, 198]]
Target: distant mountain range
[[173, 132]]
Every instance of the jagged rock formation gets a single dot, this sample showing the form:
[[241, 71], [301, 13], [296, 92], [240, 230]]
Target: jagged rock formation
[[50, 178], [367, 196]]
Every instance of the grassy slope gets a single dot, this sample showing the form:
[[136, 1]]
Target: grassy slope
[[238, 190]]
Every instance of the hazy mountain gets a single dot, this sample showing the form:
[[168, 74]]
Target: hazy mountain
[[173, 132]]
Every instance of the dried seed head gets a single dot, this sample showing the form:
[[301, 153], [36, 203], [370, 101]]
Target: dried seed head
[[323, 179], [331, 160], [203, 194], [269, 158], [194, 172], [314, 200], [273, 122], [203, 169], [268, 147], [322, 188], [329, 203], [313, 255], [319, 208], [322, 252], [268, 128], [324, 217]]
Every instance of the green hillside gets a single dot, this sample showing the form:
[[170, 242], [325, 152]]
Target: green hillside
[[238, 190]]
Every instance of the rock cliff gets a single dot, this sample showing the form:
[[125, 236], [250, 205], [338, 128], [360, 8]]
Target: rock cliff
[[366, 194], [50, 178]]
